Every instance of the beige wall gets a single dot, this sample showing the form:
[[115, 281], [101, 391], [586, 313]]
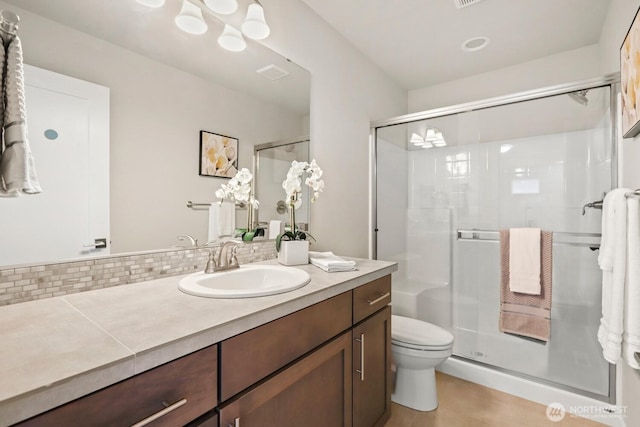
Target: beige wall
[[347, 92], [561, 68], [156, 114], [621, 13]]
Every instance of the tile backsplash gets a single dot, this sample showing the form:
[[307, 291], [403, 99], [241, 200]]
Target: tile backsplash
[[27, 283]]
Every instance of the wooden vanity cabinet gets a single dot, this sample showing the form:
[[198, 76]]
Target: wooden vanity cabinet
[[172, 394], [327, 365], [346, 381]]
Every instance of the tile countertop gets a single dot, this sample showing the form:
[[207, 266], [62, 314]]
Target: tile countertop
[[55, 350]]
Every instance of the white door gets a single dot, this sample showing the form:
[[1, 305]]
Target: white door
[[67, 123]]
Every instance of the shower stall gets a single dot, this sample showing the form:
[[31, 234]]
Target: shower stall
[[447, 180]]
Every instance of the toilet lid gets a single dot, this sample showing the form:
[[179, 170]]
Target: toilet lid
[[417, 332]]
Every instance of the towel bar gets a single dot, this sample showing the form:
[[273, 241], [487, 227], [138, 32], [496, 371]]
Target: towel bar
[[203, 206], [492, 236]]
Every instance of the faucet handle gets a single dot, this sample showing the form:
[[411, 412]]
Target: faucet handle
[[211, 264]]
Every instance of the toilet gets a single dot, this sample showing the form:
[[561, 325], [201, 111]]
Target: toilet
[[417, 348]]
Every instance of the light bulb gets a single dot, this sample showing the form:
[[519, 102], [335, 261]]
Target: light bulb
[[231, 39], [190, 19], [223, 7], [254, 25]]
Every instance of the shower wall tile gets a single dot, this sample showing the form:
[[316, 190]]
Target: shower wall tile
[[21, 284]]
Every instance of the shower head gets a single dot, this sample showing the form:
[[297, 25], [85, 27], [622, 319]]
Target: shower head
[[580, 96]]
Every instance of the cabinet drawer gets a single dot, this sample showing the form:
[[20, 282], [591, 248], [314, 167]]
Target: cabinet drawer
[[369, 298], [182, 389], [249, 357]]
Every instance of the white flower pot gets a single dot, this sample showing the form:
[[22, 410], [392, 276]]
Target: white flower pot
[[294, 252]]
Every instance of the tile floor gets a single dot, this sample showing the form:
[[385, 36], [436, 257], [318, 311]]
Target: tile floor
[[465, 404]]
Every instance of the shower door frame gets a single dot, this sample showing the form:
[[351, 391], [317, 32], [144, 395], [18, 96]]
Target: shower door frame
[[611, 80]]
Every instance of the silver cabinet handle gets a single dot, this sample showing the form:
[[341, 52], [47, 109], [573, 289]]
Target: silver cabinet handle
[[361, 370], [380, 298], [236, 423], [161, 413]]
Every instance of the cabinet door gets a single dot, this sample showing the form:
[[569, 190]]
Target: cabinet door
[[372, 370], [313, 392]]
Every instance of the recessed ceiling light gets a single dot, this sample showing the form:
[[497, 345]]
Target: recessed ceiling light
[[475, 43]]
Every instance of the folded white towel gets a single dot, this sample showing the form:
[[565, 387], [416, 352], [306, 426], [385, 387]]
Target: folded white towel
[[330, 262], [226, 219], [524, 260], [613, 265], [631, 335]]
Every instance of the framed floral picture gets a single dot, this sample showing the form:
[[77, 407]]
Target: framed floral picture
[[218, 155], [630, 80]]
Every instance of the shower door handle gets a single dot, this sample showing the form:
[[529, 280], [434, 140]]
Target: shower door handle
[[361, 370]]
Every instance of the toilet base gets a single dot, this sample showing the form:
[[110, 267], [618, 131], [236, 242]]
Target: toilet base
[[416, 389]]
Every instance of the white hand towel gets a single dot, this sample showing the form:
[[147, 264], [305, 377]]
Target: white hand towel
[[524, 260], [330, 262], [214, 215], [274, 228], [605, 253], [613, 279], [227, 219], [631, 335]]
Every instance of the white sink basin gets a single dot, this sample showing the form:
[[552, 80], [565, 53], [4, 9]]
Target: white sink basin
[[244, 282]]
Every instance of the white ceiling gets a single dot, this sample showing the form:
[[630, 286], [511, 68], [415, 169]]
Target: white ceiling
[[417, 42]]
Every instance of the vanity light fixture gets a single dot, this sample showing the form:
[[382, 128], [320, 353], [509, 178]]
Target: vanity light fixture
[[439, 141], [151, 3], [254, 25], [431, 135], [190, 19], [231, 39], [416, 139], [223, 7]]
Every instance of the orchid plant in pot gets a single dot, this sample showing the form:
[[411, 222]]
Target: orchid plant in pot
[[293, 244], [239, 190]]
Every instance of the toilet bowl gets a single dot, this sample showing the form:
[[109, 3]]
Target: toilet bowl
[[417, 348]]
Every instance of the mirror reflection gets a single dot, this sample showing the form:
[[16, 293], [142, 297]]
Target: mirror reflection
[[163, 86], [272, 162]]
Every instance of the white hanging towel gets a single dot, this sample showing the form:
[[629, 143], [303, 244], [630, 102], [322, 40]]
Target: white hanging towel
[[631, 335], [214, 213], [226, 219], [275, 228], [17, 170], [613, 266], [524, 260]]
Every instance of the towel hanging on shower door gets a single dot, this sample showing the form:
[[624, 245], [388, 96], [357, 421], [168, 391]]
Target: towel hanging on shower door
[[523, 314]]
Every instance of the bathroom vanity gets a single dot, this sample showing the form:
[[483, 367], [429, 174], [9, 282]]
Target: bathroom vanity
[[316, 356]]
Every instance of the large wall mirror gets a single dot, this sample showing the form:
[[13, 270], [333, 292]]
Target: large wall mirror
[[164, 86]]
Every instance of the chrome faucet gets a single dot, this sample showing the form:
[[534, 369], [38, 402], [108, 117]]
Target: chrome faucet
[[193, 242], [225, 261]]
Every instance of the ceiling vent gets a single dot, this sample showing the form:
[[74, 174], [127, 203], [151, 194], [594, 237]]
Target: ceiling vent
[[464, 3], [272, 72]]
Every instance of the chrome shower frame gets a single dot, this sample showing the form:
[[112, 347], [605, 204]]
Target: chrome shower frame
[[611, 80]]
